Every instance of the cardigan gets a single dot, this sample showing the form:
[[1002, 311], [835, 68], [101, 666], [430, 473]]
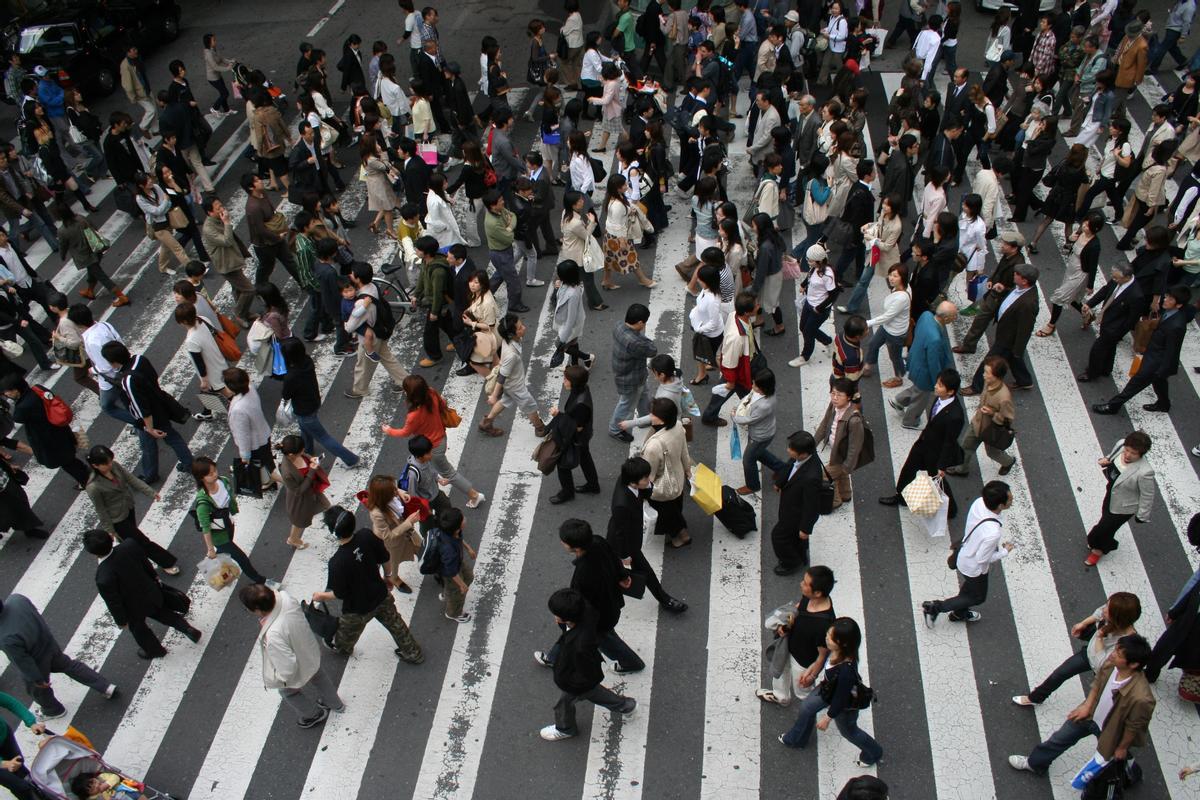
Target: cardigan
[[113, 499], [248, 424]]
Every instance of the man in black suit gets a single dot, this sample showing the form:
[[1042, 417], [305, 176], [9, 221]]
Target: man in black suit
[[858, 211], [132, 592], [626, 525], [429, 72], [459, 111], [943, 152], [805, 143], [304, 166], [543, 205], [959, 107], [415, 174], [1015, 320], [643, 117], [936, 449], [799, 488], [900, 174], [1121, 303], [1161, 359]]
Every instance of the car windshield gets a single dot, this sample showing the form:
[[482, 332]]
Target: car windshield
[[43, 38]]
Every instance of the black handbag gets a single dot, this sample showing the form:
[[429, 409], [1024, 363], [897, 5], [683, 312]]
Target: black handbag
[[175, 599], [702, 350], [247, 478], [826, 494], [637, 586], [998, 436], [758, 362], [323, 623]]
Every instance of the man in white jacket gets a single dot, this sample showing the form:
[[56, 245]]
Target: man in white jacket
[[291, 655]]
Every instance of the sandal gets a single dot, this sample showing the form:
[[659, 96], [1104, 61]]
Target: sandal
[[1048, 330], [768, 696], [170, 570], [299, 545], [608, 286]]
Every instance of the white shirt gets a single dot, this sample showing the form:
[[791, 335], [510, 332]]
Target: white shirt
[[94, 338], [981, 545], [939, 404], [1108, 166], [705, 316], [412, 26], [838, 32], [925, 48], [819, 287], [1104, 705], [582, 178], [12, 262], [894, 318], [972, 242]]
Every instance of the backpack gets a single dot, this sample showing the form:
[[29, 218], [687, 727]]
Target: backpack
[[385, 320], [866, 453], [58, 413], [430, 562], [404, 483]]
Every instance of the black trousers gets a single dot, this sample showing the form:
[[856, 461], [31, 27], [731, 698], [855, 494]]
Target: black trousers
[[430, 337], [1108, 187], [145, 637], [1102, 354], [1020, 370], [128, 529], [972, 593], [641, 566], [790, 550], [16, 782], [586, 464], [1139, 382], [267, 255], [541, 228], [1103, 535], [904, 25], [670, 516], [909, 471]]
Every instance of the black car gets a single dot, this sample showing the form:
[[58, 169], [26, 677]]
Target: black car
[[86, 41]]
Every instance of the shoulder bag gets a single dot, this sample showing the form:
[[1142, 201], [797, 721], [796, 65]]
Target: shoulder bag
[[952, 559]]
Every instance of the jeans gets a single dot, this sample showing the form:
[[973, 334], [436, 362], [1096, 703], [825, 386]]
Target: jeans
[[759, 452], [812, 235], [972, 593], [112, 402], [627, 404], [860, 290], [43, 225], [1060, 742], [96, 165], [312, 431], [77, 671], [222, 101], [811, 321], [895, 346], [847, 725], [302, 702], [149, 462], [564, 709], [1075, 665], [506, 272]]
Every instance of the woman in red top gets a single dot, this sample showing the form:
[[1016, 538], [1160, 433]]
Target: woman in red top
[[425, 418]]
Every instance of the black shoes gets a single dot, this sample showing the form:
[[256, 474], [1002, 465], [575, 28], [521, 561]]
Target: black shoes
[[561, 497], [892, 500], [674, 606], [783, 569], [150, 656], [1161, 407], [622, 436], [519, 308], [1106, 408], [588, 488], [194, 634], [929, 612], [464, 371]]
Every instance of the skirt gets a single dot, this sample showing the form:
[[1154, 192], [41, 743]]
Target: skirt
[[1073, 286], [703, 244], [619, 254], [772, 286]]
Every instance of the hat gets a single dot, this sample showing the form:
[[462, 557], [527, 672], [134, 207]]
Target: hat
[[816, 253], [1013, 237], [1134, 28], [453, 67], [1027, 271], [792, 16], [40, 71], [1008, 55]]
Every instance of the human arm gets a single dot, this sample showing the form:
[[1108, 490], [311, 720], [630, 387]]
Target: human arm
[[1147, 489]]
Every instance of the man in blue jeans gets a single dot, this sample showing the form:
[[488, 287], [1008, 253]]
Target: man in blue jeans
[[599, 576], [630, 351], [1117, 711]]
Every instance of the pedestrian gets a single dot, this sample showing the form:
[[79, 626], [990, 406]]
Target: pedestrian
[[201, 344], [621, 230], [937, 448], [738, 356], [30, 646], [1100, 633], [267, 229], [1015, 321], [837, 695], [362, 278], [599, 576], [768, 272], [1080, 277], [304, 483], [815, 302], [626, 524], [1130, 61], [434, 295], [630, 350], [1178, 643], [843, 432], [570, 316], [928, 357], [110, 487], [77, 245], [757, 412], [1178, 26], [891, 327], [132, 593], [499, 225], [53, 444], [510, 380], [577, 226], [991, 425], [882, 235], [155, 205], [14, 775], [215, 506], [671, 386], [805, 632], [577, 665], [578, 406], [1129, 494], [798, 485], [385, 504], [979, 549], [1117, 711], [354, 578], [482, 317], [301, 390], [671, 468], [16, 514], [426, 416], [454, 571], [1122, 302], [1161, 359], [254, 467], [137, 89]]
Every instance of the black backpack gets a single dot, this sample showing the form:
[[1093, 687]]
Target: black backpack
[[385, 320], [431, 555]]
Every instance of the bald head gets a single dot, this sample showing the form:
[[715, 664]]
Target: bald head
[[946, 312]]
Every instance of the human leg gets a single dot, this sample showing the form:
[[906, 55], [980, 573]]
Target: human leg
[[847, 725], [972, 593], [146, 640], [612, 646], [127, 528], [1062, 740], [806, 720], [455, 597], [1076, 664], [178, 445], [311, 427], [406, 646], [1103, 535], [239, 557], [448, 471]]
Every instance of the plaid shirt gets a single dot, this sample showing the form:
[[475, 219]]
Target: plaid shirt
[[629, 353], [1043, 57]]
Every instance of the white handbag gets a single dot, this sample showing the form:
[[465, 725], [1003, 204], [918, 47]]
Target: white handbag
[[593, 256]]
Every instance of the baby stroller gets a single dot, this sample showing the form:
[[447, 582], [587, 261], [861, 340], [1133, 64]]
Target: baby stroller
[[60, 759], [241, 82]]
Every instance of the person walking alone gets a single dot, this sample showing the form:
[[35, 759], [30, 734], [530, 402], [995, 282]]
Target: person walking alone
[[110, 488], [626, 524]]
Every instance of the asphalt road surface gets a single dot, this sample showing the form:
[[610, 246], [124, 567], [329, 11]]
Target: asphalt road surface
[[464, 724]]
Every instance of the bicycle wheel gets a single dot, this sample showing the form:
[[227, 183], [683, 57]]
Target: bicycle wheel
[[395, 296]]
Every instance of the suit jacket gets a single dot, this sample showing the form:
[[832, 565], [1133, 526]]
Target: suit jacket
[[462, 294], [937, 446], [122, 161], [416, 181], [859, 209], [898, 179], [799, 497], [543, 196], [806, 137], [995, 85], [1161, 359], [1122, 314], [625, 524], [126, 581], [1016, 326], [305, 178], [1134, 489], [941, 153], [957, 107]]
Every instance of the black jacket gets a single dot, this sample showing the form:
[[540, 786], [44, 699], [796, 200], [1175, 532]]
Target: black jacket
[[181, 170], [937, 446], [577, 668], [139, 381], [1151, 269], [305, 178], [625, 524], [126, 581], [177, 117], [1161, 359], [579, 407], [300, 386], [799, 497], [941, 153], [598, 573], [351, 68], [458, 100], [859, 209], [123, 162], [995, 85], [462, 293], [899, 177], [957, 107], [1124, 312], [416, 181], [52, 445], [543, 196]]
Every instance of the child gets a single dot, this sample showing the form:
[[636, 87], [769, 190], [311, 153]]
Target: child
[[408, 230], [420, 479], [577, 671], [523, 234], [350, 303], [105, 786], [848, 354], [456, 574]]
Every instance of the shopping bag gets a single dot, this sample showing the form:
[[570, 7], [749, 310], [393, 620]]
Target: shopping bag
[[938, 524], [1088, 771], [284, 414], [278, 365], [923, 496], [428, 153], [880, 35], [706, 489], [323, 623], [735, 444], [791, 268], [175, 599], [219, 572], [976, 287], [1142, 331]]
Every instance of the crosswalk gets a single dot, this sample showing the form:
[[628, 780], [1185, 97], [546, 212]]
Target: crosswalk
[[464, 724]]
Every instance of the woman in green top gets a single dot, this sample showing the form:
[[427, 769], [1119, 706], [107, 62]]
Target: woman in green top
[[216, 505], [13, 774]]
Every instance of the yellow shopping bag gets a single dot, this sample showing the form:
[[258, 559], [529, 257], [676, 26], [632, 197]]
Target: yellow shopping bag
[[706, 489]]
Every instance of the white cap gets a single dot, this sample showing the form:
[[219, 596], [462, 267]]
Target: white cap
[[816, 253]]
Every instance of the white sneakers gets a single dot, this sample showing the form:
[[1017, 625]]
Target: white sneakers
[[552, 734], [476, 501], [798, 361], [1020, 762], [1023, 700], [461, 618], [110, 691]]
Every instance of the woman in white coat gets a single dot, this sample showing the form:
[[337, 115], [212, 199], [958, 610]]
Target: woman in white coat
[[439, 219], [291, 655], [972, 235]]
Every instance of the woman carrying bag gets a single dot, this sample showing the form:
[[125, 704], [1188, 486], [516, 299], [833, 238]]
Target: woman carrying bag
[[707, 321], [569, 316], [1081, 269], [992, 424], [397, 530], [578, 407], [304, 483], [580, 246], [155, 204], [1129, 494], [215, 507], [255, 465], [671, 468]]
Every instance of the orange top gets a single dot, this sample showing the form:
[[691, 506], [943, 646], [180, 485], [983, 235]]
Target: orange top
[[423, 422]]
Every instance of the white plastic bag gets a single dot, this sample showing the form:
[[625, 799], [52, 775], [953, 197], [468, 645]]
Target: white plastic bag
[[219, 572], [938, 524]]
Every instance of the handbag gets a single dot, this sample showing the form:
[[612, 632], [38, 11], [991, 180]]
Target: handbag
[[450, 417], [278, 366], [637, 586], [225, 343], [175, 599], [322, 623], [735, 444], [95, 242], [69, 356], [593, 255], [328, 134], [998, 436], [247, 478], [277, 224], [923, 496], [952, 559], [11, 348], [285, 414], [791, 268], [1142, 331], [702, 350], [228, 325], [812, 212], [1132, 209], [826, 493], [177, 219], [838, 232], [428, 152], [554, 138]]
